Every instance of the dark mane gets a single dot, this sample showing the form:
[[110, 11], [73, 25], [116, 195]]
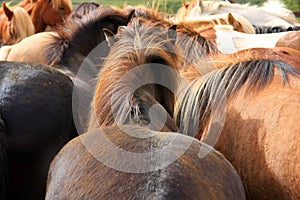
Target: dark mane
[[80, 36], [213, 89], [193, 46], [141, 43]]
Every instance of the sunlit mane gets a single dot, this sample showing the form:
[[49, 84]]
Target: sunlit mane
[[279, 9], [21, 24], [273, 7], [207, 93]]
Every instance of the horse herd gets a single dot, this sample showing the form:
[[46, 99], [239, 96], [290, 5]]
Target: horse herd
[[131, 103]]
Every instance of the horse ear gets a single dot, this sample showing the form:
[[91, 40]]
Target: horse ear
[[232, 21], [172, 34], [29, 9], [109, 36], [7, 11], [131, 15]]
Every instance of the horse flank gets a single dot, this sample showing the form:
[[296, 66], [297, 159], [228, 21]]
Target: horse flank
[[214, 88]]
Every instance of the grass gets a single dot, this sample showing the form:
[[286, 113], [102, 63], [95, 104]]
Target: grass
[[169, 6]]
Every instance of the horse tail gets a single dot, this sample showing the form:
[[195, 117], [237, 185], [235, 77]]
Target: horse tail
[[3, 161]]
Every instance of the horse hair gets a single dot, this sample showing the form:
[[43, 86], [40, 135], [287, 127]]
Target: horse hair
[[197, 99], [73, 33], [192, 44], [143, 42]]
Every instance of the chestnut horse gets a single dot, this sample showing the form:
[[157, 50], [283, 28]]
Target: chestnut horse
[[256, 93], [15, 25], [137, 50], [50, 13], [36, 121]]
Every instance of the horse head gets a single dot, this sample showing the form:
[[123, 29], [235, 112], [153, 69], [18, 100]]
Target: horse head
[[50, 13]]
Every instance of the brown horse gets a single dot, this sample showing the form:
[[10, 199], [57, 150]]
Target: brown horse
[[76, 173], [257, 97], [50, 13], [15, 25]]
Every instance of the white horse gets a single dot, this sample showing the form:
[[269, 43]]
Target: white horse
[[229, 41], [272, 13]]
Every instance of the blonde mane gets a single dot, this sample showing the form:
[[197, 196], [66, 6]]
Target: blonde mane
[[272, 7], [238, 22], [56, 4], [21, 24]]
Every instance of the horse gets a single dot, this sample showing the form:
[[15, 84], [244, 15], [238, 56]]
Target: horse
[[247, 108], [75, 173], [229, 41], [49, 13], [239, 22], [259, 16], [155, 49], [15, 25], [68, 46], [33, 128]]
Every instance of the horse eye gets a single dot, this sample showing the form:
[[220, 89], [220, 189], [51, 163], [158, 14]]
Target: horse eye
[[61, 8]]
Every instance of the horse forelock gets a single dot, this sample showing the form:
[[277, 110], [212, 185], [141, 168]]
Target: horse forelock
[[56, 4], [210, 91], [22, 24]]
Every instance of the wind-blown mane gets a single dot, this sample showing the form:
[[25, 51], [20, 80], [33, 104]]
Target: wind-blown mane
[[272, 17], [199, 98], [73, 40], [21, 24], [278, 8], [193, 45], [141, 43]]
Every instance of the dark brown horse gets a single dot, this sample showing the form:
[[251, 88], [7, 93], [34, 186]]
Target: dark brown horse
[[248, 108], [36, 121]]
